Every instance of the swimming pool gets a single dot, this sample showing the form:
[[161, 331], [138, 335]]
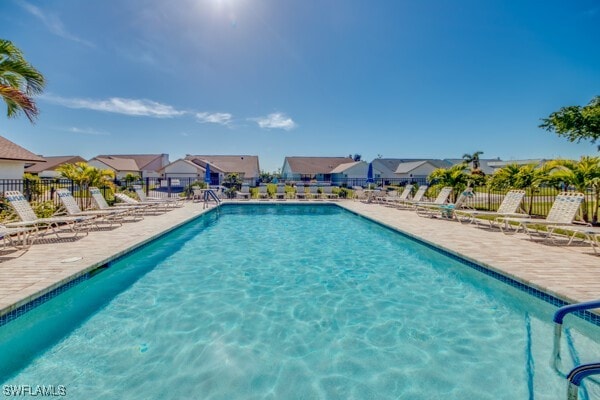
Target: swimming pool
[[278, 301]]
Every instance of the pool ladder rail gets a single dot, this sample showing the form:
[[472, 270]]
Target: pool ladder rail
[[211, 195], [580, 372]]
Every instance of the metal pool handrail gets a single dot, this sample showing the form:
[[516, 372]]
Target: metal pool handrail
[[577, 375], [210, 194], [559, 315]]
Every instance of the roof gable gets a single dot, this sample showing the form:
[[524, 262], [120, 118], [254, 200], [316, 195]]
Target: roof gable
[[405, 168], [52, 163], [247, 165], [344, 167], [316, 165], [119, 164], [141, 160], [12, 151]]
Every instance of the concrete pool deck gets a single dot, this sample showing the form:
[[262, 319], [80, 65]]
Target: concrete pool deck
[[569, 273]]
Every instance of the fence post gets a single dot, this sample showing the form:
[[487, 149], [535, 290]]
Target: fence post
[[26, 189], [168, 187], [147, 185]]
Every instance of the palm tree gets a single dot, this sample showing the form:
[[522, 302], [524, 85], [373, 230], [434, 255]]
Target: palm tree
[[84, 175], [454, 176], [474, 159], [583, 175], [528, 177], [19, 80]]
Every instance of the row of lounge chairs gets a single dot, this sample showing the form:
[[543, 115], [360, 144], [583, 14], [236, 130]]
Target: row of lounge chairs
[[509, 218], [73, 222], [302, 192]]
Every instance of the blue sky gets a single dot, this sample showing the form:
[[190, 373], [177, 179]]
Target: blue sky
[[396, 78]]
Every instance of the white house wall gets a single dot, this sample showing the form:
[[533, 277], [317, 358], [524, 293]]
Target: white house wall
[[50, 174], [422, 171], [11, 169], [357, 171], [181, 170]]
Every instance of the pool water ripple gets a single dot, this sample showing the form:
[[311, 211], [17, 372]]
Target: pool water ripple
[[306, 303]]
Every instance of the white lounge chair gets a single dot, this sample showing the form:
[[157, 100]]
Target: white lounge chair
[[394, 196], [440, 207], [102, 217], [244, 192], [561, 215], [410, 203], [313, 192], [171, 201], [74, 226], [262, 192], [18, 238], [134, 213], [143, 208], [359, 193], [590, 234], [328, 192], [509, 207], [280, 194], [301, 192]]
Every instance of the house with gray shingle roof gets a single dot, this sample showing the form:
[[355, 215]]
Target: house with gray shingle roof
[[415, 170], [13, 159], [48, 169], [406, 169], [183, 169], [495, 165], [486, 165], [144, 165], [247, 167], [311, 168], [349, 171]]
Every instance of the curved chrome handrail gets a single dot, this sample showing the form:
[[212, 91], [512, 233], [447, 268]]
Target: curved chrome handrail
[[577, 375], [559, 316]]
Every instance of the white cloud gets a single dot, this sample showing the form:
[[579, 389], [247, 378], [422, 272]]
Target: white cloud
[[118, 105], [53, 23], [87, 131], [275, 121], [214, 118]]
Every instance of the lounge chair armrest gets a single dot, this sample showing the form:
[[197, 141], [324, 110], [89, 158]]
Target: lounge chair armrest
[[20, 224]]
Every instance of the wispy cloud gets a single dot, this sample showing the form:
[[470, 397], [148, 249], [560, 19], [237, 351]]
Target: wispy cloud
[[118, 105], [87, 131], [275, 121], [53, 23], [214, 118]]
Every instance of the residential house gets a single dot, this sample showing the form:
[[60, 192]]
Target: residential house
[[14, 158], [245, 166], [307, 169], [48, 169], [143, 165], [120, 166], [497, 164], [416, 171], [349, 172], [412, 170], [485, 164], [183, 169]]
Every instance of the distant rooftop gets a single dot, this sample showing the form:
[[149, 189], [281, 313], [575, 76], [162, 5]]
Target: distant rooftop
[[12, 151], [316, 165], [52, 162]]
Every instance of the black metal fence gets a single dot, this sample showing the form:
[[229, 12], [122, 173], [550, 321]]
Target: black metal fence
[[538, 201]]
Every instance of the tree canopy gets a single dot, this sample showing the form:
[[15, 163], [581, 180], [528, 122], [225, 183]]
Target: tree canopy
[[575, 122], [19, 81]]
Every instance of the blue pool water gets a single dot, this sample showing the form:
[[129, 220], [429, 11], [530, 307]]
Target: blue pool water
[[291, 302]]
